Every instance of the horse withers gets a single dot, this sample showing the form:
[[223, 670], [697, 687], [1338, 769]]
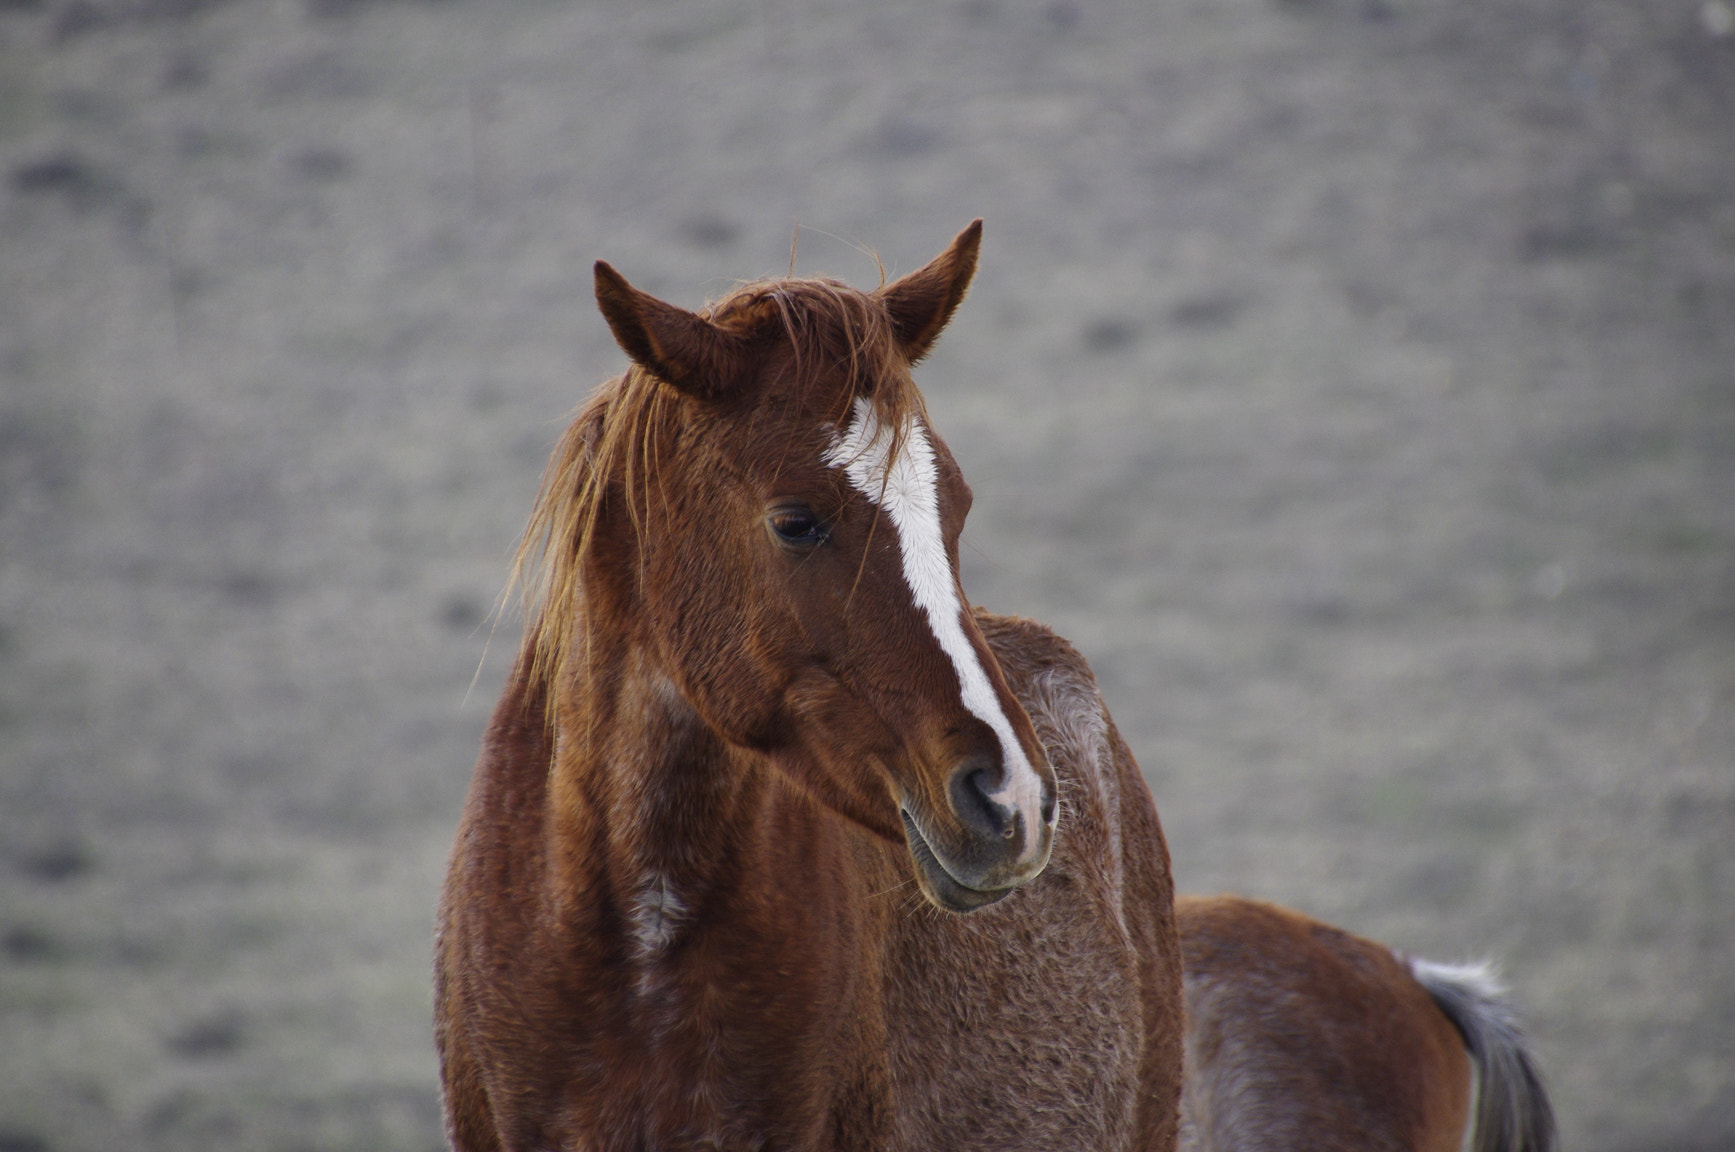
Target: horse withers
[[757, 757]]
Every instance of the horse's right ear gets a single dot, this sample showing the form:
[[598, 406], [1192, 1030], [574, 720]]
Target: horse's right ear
[[671, 343]]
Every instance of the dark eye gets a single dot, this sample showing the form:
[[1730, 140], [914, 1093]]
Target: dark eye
[[797, 527]]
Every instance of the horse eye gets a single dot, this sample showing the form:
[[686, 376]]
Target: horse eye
[[797, 526]]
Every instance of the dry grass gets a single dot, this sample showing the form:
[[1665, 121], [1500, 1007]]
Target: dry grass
[[1349, 379]]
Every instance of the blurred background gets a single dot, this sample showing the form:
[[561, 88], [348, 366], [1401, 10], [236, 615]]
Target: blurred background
[[1352, 380]]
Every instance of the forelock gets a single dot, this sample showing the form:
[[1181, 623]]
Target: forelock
[[828, 326]]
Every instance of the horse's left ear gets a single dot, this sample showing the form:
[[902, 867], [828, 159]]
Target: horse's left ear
[[922, 302], [675, 345]]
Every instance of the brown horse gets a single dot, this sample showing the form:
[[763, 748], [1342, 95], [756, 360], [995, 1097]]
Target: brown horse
[[1301, 1036], [756, 755]]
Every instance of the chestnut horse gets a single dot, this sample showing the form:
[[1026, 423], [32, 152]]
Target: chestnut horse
[[755, 758], [1302, 1036]]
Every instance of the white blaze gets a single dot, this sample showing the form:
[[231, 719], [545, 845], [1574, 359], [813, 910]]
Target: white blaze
[[907, 489]]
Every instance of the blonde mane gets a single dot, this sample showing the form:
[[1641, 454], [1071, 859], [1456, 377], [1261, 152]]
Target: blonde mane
[[612, 441]]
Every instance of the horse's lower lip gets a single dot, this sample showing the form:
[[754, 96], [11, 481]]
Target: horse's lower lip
[[937, 882]]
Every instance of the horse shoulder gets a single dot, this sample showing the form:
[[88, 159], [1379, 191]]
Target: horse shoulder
[[499, 835], [483, 921], [1108, 836], [514, 941]]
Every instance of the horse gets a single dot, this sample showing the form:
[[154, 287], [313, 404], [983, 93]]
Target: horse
[[1303, 1036], [774, 841]]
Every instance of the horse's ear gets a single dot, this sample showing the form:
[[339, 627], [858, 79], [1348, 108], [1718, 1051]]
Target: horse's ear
[[675, 345], [922, 302]]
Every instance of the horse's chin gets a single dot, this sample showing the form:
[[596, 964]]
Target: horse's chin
[[936, 883]]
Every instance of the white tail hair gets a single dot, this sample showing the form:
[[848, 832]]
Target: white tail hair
[[1512, 1112]]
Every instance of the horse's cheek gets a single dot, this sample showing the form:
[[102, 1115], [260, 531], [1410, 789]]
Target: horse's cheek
[[731, 670]]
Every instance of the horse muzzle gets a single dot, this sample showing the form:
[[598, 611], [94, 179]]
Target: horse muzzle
[[977, 873]]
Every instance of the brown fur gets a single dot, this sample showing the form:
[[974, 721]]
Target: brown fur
[[1302, 1036], [680, 911]]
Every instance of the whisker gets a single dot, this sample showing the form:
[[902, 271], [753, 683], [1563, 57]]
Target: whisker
[[895, 887]]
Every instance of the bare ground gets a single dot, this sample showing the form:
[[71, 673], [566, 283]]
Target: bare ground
[[1353, 380]]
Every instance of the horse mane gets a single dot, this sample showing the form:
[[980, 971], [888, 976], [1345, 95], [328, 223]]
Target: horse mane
[[611, 444]]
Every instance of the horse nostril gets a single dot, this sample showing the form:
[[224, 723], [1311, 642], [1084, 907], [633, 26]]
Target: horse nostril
[[1047, 805], [971, 791]]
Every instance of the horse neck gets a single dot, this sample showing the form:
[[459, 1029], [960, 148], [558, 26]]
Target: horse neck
[[646, 799]]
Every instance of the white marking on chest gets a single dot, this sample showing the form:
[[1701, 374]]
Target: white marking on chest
[[656, 916], [907, 489]]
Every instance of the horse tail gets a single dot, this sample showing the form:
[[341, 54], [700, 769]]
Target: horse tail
[[1512, 1112]]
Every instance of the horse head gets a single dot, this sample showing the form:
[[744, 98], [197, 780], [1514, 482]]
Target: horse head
[[774, 521]]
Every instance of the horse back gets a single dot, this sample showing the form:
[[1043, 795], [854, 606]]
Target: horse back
[[1301, 1035]]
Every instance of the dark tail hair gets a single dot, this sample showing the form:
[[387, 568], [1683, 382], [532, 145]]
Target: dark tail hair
[[1512, 1109]]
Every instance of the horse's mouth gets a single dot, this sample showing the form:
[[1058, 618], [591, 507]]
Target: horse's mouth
[[937, 883]]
